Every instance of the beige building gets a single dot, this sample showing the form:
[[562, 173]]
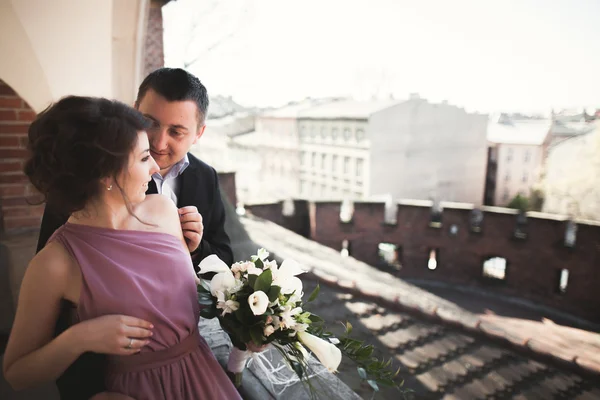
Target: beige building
[[516, 155], [403, 149], [572, 176]]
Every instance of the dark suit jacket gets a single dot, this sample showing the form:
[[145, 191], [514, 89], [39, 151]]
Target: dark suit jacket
[[199, 186]]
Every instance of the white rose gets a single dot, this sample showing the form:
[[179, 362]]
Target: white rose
[[258, 301], [268, 331], [222, 282], [329, 355]]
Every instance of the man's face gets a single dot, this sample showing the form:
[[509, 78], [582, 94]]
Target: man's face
[[174, 130]]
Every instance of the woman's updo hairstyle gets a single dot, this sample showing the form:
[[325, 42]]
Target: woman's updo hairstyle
[[75, 143]]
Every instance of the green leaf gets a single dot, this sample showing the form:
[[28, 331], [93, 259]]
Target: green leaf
[[373, 384], [259, 264], [348, 328], [314, 294], [252, 280], [297, 369], [274, 293], [264, 281], [316, 319], [208, 313], [362, 373], [256, 335]]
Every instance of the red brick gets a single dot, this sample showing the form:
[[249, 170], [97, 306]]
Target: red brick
[[14, 153], [10, 166], [10, 141], [23, 211], [27, 115], [14, 128], [25, 105], [8, 115], [11, 190], [11, 224], [22, 201], [10, 102], [13, 178]]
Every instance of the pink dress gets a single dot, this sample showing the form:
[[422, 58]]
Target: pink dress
[[147, 275]]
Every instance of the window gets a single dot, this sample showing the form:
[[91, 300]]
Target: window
[[313, 159], [509, 155], [505, 195], [323, 156], [313, 132], [571, 234], [389, 255], [524, 177], [507, 177], [346, 210], [432, 261], [527, 155], [345, 252], [323, 190], [347, 134], [563, 281], [346, 165], [495, 268], [334, 163], [303, 188], [323, 132], [334, 133], [360, 135], [359, 167]]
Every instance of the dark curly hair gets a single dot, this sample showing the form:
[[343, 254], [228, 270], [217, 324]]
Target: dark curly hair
[[76, 142]]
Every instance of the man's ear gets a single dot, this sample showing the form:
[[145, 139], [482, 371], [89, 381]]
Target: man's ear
[[199, 133]]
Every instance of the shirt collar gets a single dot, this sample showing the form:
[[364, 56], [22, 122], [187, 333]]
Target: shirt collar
[[176, 170]]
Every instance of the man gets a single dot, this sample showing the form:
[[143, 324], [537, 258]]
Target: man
[[176, 102]]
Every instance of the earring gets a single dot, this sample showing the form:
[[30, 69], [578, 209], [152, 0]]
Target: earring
[[109, 187]]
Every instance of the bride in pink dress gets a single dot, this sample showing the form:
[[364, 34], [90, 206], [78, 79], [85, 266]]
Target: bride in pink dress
[[121, 259]]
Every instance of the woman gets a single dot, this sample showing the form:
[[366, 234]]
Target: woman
[[121, 259]]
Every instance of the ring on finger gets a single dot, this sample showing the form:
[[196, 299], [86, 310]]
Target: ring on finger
[[128, 347]]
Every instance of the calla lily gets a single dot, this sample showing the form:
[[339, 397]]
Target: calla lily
[[258, 301], [290, 267], [262, 254], [212, 263], [329, 355]]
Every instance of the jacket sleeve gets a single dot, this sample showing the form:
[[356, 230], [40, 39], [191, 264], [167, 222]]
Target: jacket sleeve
[[51, 221], [214, 239]]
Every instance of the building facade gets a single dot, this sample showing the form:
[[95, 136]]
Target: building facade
[[403, 149], [515, 157], [572, 176]]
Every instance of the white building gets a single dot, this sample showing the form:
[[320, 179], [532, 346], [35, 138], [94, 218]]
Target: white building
[[406, 149], [516, 156], [572, 176]]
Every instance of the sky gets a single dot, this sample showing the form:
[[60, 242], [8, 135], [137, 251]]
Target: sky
[[484, 55]]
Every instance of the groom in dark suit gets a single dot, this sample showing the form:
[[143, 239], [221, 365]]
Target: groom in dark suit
[[176, 102]]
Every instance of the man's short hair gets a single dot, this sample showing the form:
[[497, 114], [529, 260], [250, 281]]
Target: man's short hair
[[176, 84]]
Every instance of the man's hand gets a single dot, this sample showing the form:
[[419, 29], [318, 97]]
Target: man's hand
[[192, 227]]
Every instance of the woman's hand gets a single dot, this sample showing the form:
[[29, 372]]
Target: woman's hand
[[112, 334]]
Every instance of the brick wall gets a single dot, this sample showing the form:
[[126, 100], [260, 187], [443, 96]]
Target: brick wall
[[16, 213], [299, 222], [153, 49], [533, 264]]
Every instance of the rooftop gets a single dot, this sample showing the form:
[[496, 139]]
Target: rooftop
[[506, 130], [349, 109]]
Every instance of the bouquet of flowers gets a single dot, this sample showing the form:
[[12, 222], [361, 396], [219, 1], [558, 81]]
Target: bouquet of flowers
[[259, 303]]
